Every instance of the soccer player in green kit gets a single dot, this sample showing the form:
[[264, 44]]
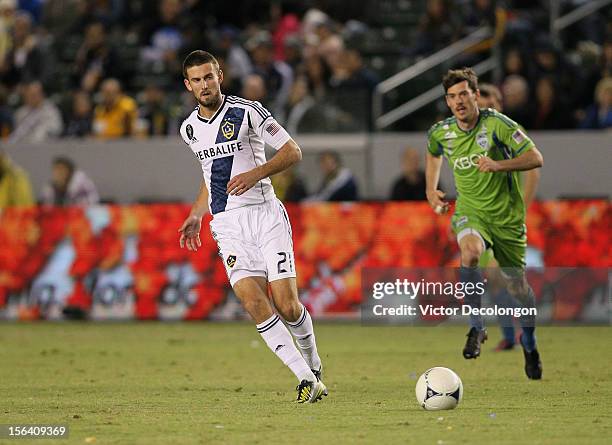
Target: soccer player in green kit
[[486, 151]]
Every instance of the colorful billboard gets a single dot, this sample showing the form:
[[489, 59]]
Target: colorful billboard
[[124, 262]]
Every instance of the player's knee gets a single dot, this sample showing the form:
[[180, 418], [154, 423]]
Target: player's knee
[[289, 309], [470, 257], [471, 250]]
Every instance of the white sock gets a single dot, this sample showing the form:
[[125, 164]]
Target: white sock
[[303, 332], [279, 340]]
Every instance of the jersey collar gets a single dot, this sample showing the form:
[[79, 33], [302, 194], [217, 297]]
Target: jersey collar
[[475, 125], [210, 121]]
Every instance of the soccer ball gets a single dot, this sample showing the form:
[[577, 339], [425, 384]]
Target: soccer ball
[[439, 388]]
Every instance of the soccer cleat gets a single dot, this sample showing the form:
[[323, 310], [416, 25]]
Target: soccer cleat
[[311, 392], [472, 346], [533, 364], [504, 345]]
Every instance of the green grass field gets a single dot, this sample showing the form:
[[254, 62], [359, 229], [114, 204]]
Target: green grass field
[[198, 383]]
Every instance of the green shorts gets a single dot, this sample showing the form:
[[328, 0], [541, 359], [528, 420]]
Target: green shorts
[[508, 243]]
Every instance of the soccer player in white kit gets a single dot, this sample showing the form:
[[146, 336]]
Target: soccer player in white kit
[[227, 135]]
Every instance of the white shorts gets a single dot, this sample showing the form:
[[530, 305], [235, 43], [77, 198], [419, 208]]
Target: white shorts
[[255, 241]]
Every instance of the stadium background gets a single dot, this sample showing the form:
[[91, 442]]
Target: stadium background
[[319, 67]]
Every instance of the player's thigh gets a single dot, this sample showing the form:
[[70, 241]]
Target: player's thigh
[[472, 234], [472, 240], [252, 291], [285, 297], [276, 243]]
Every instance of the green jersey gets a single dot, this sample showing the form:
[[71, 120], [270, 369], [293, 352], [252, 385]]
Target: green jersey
[[495, 197]]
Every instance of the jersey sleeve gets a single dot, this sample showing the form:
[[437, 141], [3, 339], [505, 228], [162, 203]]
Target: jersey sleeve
[[513, 136], [434, 146], [266, 127], [183, 132]]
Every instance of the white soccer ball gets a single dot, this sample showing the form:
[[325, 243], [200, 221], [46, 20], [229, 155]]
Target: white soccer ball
[[439, 388]]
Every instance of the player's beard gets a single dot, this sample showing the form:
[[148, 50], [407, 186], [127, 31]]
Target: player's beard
[[211, 102]]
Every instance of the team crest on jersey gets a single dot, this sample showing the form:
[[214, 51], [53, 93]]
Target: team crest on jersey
[[450, 135], [231, 261], [482, 139], [189, 130], [227, 128]]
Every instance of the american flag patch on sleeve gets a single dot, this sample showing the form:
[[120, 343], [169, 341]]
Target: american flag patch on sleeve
[[273, 128], [518, 136]]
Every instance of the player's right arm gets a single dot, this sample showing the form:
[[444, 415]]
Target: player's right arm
[[190, 230], [433, 165]]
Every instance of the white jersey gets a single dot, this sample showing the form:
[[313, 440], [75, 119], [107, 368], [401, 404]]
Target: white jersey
[[232, 142]]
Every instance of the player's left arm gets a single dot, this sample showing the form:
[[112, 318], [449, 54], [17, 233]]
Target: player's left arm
[[528, 160], [273, 134], [524, 154], [530, 186], [288, 155]]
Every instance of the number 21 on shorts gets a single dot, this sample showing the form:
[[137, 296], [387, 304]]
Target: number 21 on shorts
[[285, 263]]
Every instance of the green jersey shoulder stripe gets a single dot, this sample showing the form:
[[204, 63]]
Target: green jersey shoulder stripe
[[435, 147], [489, 112], [437, 125]]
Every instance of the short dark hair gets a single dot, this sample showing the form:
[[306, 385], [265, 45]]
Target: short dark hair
[[197, 58], [453, 77]]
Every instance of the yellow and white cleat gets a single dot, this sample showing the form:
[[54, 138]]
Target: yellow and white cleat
[[311, 392]]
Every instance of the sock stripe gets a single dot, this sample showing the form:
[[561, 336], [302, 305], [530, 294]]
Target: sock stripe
[[268, 326], [301, 320]]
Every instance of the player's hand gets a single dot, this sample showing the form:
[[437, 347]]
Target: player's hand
[[190, 233], [488, 165], [436, 201], [242, 182]]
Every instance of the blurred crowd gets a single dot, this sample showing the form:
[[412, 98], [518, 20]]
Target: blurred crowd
[[112, 68]]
